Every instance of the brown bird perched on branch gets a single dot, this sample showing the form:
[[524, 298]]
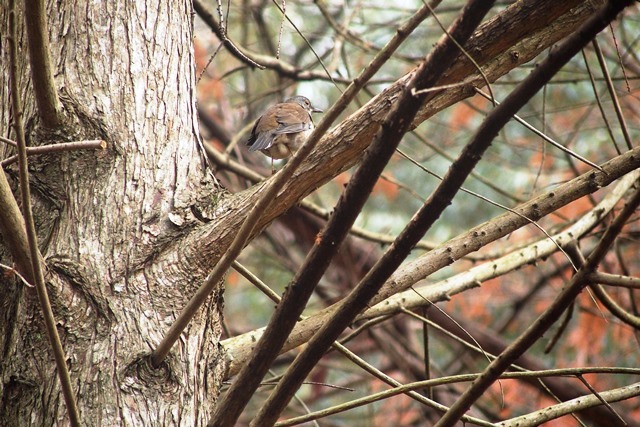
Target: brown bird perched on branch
[[283, 128]]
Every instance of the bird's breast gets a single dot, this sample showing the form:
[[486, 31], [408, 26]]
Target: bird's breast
[[286, 144]]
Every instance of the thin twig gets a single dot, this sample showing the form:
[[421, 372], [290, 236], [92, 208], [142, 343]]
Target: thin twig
[[55, 148], [391, 296], [600, 398], [208, 18], [543, 135], [8, 141], [36, 264], [231, 404], [613, 94], [463, 51], [613, 307], [224, 161], [277, 182], [607, 125], [339, 346], [474, 174], [564, 323], [453, 380], [295, 27], [576, 284], [11, 270], [569, 407], [395, 125], [499, 205]]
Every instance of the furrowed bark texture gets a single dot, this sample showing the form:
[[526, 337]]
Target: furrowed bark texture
[[125, 72]]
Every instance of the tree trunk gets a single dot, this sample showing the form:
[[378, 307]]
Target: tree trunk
[[126, 75]]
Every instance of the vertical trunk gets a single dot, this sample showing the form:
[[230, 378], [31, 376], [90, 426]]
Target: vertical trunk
[[125, 74]]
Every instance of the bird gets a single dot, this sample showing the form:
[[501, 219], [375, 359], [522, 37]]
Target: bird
[[283, 128]]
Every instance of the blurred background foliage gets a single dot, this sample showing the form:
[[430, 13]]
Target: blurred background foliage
[[339, 38]]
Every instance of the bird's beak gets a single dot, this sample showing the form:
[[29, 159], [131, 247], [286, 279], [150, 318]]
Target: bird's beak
[[316, 110]]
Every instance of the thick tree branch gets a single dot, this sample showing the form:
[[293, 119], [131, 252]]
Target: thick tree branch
[[342, 147], [546, 319], [527, 375], [540, 249], [456, 248], [395, 125], [49, 106], [578, 282], [266, 197], [231, 405], [427, 215]]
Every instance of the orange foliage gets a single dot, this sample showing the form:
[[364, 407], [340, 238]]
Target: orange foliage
[[400, 410], [538, 157], [233, 278], [210, 88], [577, 208], [200, 53], [476, 304], [342, 179], [568, 120], [386, 188], [462, 113], [514, 395], [587, 334], [508, 394]]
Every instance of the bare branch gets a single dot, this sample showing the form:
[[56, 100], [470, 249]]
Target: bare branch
[[454, 249], [56, 148], [268, 195], [556, 411], [36, 268], [49, 106], [395, 125], [575, 285]]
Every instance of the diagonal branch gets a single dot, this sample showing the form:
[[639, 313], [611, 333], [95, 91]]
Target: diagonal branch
[[12, 229], [395, 125], [266, 197], [571, 406], [427, 215], [49, 106], [546, 319], [239, 347], [36, 268], [341, 148], [231, 405], [564, 52]]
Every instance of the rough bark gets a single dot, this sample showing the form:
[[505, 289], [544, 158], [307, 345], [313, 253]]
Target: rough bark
[[126, 74]]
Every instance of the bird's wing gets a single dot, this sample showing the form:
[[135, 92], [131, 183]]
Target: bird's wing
[[293, 119], [279, 119], [261, 141], [253, 137]]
